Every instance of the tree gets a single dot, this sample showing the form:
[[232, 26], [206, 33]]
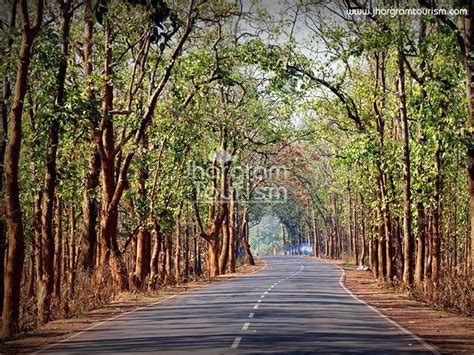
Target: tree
[[15, 232]]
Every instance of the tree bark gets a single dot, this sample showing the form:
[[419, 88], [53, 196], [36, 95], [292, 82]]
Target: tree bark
[[186, 252], [30, 289], [232, 231], [5, 96], [467, 31], [223, 256], [14, 218], [72, 253], [177, 255], [89, 204], [408, 241], [436, 235], [46, 284], [155, 256], [143, 256], [37, 236], [89, 215], [315, 234], [248, 257], [111, 193], [58, 247], [213, 259], [420, 245], [381, 255]]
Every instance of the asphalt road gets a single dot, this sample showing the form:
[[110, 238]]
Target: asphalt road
[[294, 305]]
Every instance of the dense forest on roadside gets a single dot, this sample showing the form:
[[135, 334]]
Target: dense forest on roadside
[[141, 139]]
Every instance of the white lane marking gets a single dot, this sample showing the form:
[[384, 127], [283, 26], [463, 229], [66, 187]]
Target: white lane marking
[[259, 301], [246, 326], [255, 307], [262, 296], [251, 315], [265, 293], [52, 345], [93, 326], [428, 346], [272, 286], [236, 343]]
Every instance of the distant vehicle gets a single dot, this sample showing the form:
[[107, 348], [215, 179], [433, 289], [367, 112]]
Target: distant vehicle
[[301, 249]]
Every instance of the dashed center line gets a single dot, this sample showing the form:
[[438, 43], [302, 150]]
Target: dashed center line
[[236, 342], [246, 325]]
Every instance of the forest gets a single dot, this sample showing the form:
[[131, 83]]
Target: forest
[[141, 139]]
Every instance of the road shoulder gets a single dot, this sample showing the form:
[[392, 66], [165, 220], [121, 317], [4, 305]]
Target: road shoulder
[[449, 332]]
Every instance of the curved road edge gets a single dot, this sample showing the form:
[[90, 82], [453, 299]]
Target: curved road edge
[[420, 340]]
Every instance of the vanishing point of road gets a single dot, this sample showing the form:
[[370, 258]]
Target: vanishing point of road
[[293, 306]]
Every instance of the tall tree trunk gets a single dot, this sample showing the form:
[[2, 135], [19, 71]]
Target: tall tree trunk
[[155, 255], [213, 259], [58, 246], [168, 249], [30, 288], [5, 96], [177, 255], [356, 234], [143, 256], [420, 245], [37, 236], [232, 230], [143, 244], [387, 225], [89, 214], [373, 256], [186, 252], [46, 285], [197, 264], [89, 204], [315, 234], [436, 236], [72, 252], [421, 225], [248, 257], [14, 219], [467, 30], [109, 250], [35, 265], [381, 250], [352, 242], [363, 221], [428, 247], [408, 241], [223, 256]]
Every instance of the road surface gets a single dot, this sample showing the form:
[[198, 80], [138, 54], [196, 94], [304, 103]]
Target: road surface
[[294, 305]]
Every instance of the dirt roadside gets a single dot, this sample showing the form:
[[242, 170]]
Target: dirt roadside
[[60, 329], [451, 333]]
